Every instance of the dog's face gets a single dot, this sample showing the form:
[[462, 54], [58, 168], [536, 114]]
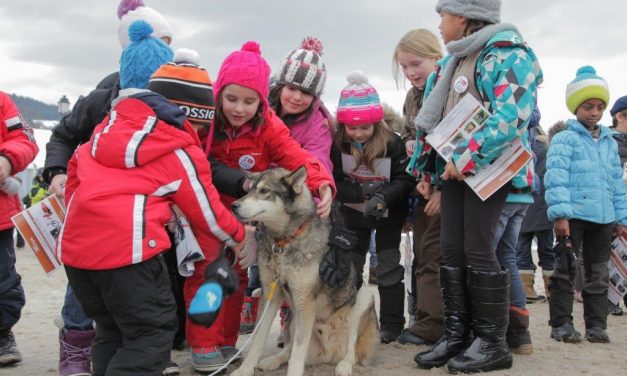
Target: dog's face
[[274, 196]]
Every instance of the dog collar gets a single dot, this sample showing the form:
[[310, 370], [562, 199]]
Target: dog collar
[[281, 243]]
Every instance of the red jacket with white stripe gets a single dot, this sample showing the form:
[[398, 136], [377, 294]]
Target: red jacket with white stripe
[[17, 144], [269, 145], [141, 159]]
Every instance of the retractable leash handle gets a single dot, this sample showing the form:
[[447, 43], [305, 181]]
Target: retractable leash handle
[[220, 282]]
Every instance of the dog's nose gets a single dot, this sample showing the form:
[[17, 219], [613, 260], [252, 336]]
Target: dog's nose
[[235, 206]]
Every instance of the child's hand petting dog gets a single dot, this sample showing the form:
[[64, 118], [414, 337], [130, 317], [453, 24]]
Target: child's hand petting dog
[[248, 254], [326, 197]]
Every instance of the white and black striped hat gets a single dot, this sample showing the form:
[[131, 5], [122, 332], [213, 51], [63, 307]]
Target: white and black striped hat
[[303, 68]]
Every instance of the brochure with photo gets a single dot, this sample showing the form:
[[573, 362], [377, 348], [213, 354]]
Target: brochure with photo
[[465, 119]]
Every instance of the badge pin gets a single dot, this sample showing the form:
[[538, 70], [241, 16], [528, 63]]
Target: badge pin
[[246, 162], [461, 84]]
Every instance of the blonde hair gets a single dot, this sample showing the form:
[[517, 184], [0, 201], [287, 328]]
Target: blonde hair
[[375, 147], [420, 42]]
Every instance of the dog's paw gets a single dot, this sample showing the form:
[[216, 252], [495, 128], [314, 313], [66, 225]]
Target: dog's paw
[[243, 371], [343, 368], [270, 363]]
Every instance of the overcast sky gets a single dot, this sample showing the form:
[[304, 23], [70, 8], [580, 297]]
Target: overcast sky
[[51, 48]]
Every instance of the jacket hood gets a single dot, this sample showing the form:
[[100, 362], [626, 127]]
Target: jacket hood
[[557, 128], [392, 118], [134, 133], [580, 128]]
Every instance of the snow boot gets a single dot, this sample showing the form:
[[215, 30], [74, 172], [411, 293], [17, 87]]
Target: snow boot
[[489, 296], [518, 337], [456, 320], [75, 352]]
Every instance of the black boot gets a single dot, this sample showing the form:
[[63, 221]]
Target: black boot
[[489, 296], [392, 311], [456, 320]]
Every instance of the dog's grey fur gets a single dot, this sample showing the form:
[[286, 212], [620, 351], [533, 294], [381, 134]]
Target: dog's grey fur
[[336, 326]]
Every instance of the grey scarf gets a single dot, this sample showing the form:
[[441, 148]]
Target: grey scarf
[[432, 108]]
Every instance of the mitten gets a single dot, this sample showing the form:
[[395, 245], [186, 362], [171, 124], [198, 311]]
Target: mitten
[[376, 206], [220, 281], [370, 188], [335, 267]]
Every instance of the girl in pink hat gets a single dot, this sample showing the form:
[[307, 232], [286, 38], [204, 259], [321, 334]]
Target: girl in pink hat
[[248, 136]]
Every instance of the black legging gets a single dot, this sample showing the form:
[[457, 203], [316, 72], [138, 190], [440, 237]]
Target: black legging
[[469, 225]]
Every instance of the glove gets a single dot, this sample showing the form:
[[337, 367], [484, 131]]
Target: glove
[[371, 188], [375, 207], [566, 257], [335, 267], [248, 254], [220, 282]]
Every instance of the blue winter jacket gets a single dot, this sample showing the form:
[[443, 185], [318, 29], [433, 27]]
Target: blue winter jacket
[[584, 179]]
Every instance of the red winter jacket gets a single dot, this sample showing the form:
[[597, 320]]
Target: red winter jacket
[[256, 150], [17, 144], [122, 183]]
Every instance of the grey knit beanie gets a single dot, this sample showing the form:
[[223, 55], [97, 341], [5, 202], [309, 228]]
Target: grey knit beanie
[[481, 10]]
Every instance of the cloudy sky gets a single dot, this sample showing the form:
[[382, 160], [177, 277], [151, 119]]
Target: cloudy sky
[[51, 48]]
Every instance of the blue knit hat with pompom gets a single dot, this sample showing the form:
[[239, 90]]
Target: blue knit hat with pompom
[[142, 57], [586, 85]]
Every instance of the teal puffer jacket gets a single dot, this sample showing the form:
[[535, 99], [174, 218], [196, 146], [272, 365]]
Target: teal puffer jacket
[[584, 178]]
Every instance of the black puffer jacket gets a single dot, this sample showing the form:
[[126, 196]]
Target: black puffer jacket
[[76, 128], [621, 140], [536, 218], [395, 192]]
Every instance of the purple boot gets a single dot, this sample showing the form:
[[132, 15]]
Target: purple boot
[[75, 352]]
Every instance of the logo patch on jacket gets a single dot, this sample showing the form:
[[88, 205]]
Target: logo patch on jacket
[[246, 162], [27, 129]]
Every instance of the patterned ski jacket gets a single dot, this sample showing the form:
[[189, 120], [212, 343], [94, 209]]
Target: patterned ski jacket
[[17, 145], [584, 178], [507, 77], [143, 157]]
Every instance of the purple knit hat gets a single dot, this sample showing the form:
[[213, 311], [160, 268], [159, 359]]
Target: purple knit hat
[[359, 102]]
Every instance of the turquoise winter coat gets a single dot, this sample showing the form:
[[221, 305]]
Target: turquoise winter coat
[[584, 179], [507, 77]]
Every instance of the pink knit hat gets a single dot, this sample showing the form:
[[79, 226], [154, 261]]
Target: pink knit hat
[[248, 68], [359, 102]]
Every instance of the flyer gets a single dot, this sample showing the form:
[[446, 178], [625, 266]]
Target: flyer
[[40, 226], [466, 118]]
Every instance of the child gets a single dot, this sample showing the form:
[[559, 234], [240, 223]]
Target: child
[[619, 124], [363, 139], [248, 135], [585, 194], [17, 150], [417, 54], [144, 157], [489, 61], [295, 98], [536, 225]]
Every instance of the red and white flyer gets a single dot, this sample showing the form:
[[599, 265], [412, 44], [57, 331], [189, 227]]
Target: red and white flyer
[[40, 226]]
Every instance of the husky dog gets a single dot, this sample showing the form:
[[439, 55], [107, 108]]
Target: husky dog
[[337, 326]]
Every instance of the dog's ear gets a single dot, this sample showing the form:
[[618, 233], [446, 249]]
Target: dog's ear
[[297, 179]]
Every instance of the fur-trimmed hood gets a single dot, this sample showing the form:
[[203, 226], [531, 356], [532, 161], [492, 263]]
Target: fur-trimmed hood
[[557, 128], [392, 119]]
